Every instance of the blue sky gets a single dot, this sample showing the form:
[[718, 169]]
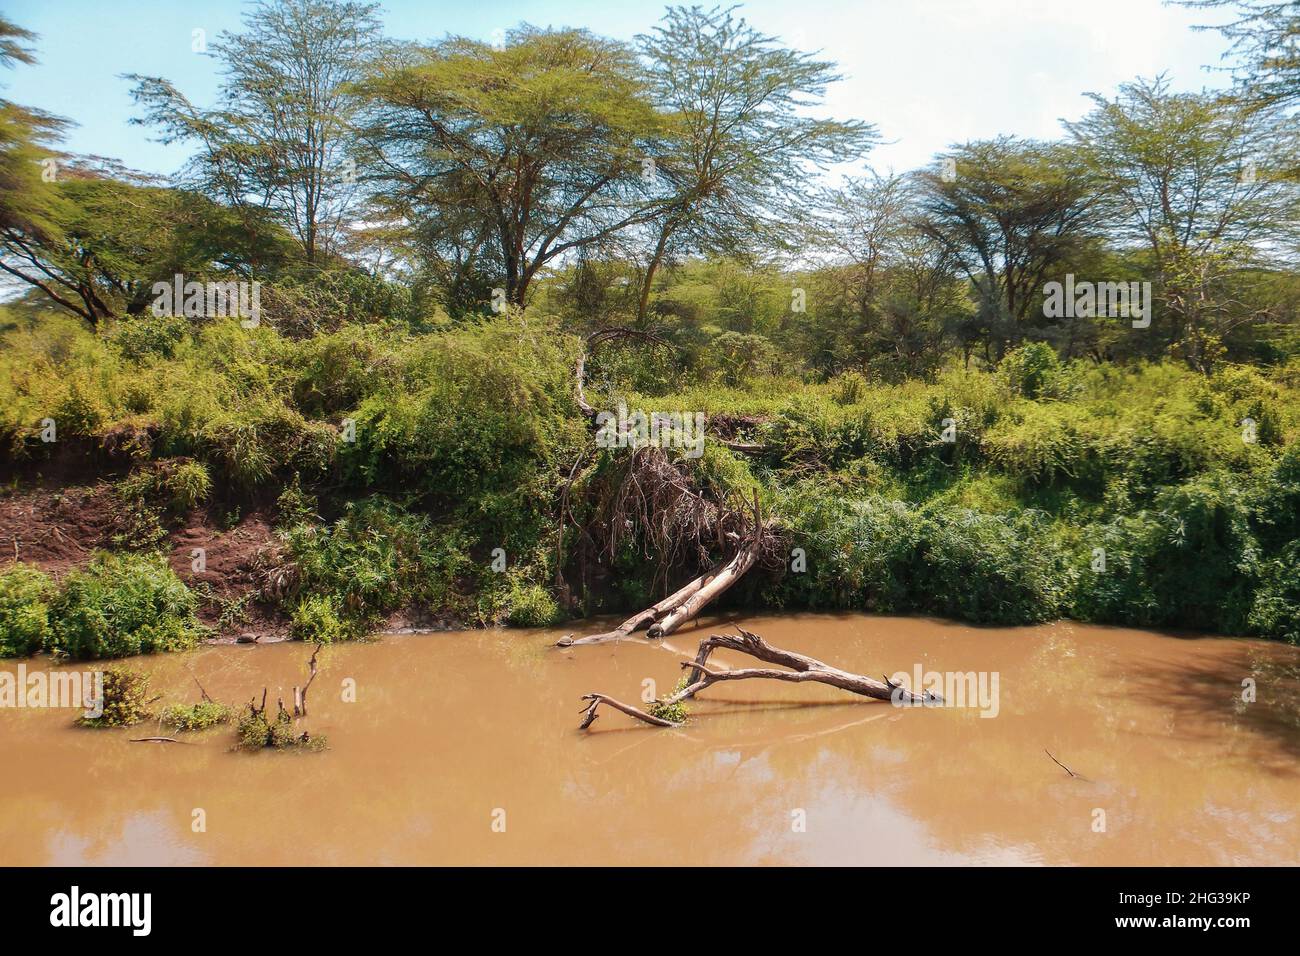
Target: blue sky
[[927, 72]]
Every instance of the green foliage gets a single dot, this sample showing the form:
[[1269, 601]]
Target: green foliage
[[201, 716], [178, 485], [119, 605], [126, 699], [531, 605], [884, 555], [144, 337], [318, 618], [1276, 608], [25, 595], [255, 731], [678, 712], [374, 559], [1031, 370]]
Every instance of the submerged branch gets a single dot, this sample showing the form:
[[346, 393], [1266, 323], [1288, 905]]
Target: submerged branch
[[802, 669]]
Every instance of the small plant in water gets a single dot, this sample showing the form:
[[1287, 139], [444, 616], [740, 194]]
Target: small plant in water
[[677, 712], [200, 716], [255, 732], [126, 700]]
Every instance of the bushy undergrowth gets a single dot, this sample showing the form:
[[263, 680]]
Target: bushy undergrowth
[[127, 699], [201, 716], [375, 558], [255, 731], [122, 604], [1144, 494], [25, 595]]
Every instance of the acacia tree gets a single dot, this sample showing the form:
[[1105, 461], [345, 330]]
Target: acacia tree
[[1198, 181], [502, 160], [280, 138], [734, 169], [28, 201], [1010, 211], [892, 294], [1265, 36]]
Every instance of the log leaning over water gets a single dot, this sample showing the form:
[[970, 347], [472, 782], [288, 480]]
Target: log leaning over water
[[802, 668]]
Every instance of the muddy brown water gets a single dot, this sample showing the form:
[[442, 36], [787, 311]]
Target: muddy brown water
[[448, 730]]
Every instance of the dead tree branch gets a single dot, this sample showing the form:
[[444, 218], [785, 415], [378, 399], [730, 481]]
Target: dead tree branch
[[300, 696], [802, 668], [589, 714]]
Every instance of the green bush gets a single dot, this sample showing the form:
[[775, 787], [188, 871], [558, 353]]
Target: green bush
[[178, 485], [148, 336], [255, 731], [376, 558], [1188, 562], [989, 569], [531, 605], [1275, 611], [1032, 370], [25, 595], [120, 605], [200, 716], [127, 700], [317, 618]]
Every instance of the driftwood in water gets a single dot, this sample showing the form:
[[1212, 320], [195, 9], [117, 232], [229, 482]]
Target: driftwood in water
[[802, 669], [589, 712], [300, 696]]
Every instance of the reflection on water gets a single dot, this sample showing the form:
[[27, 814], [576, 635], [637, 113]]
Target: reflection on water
[[448, 729]]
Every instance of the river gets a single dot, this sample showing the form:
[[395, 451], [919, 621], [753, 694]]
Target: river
[[463, 748]]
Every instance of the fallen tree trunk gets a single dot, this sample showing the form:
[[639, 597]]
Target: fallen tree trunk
[[644, 618], [802, 669], [709, 590]]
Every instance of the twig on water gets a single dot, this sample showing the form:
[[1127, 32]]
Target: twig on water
[[1059, 764]]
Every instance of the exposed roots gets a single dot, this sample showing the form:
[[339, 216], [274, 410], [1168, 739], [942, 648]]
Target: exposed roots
[[749, 547]]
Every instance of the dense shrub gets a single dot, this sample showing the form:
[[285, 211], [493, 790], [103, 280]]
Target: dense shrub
[[470, 432], [25, 594], [127, 700], [1189, 562], [1276, 608], [120, 605], [176, 485], [200, 716], [1031, 370], [375, 558], [989, 569], [149, 336], [317, 617]]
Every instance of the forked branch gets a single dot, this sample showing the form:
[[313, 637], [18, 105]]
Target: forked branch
[[801, 669]]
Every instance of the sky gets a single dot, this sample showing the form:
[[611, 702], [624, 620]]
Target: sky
[[927, 73]]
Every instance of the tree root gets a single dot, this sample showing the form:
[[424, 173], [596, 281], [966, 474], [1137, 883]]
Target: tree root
[[682, 605]]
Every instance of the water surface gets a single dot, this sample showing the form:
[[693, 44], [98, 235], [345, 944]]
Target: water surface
[[453, 732]]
